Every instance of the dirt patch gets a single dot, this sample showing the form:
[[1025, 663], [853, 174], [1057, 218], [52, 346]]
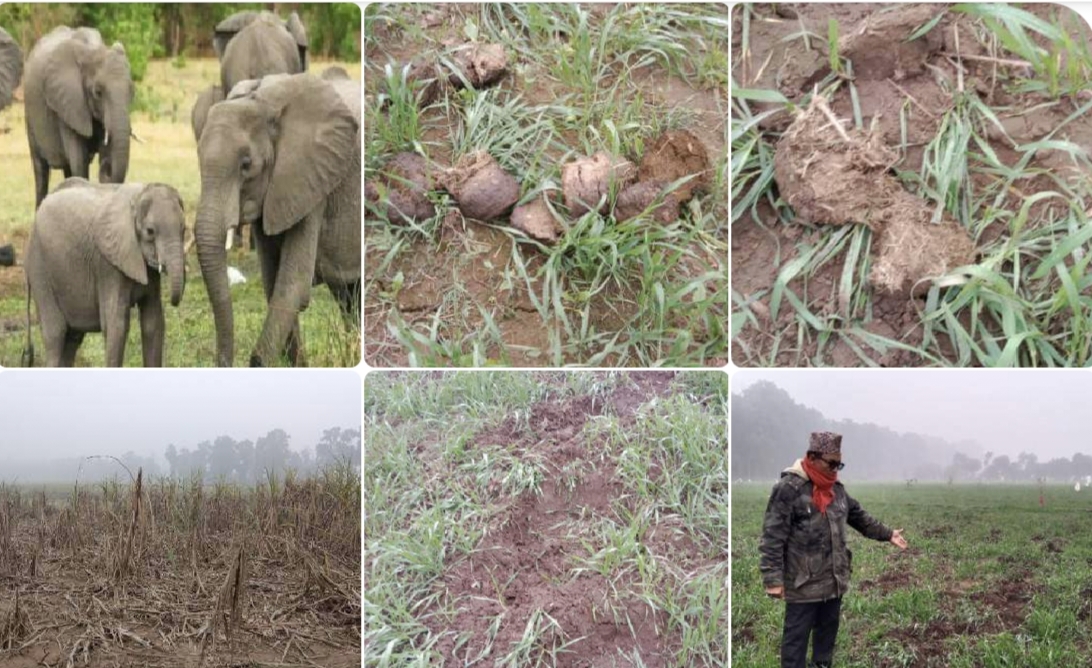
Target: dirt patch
[[676, 155], [889, 581], [524, 568]]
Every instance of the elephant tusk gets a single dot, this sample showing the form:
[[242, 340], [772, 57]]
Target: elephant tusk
[[106, 141], [230, 238]]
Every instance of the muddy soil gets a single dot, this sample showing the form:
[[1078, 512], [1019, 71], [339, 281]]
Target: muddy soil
[[899, 90], [526, 561]]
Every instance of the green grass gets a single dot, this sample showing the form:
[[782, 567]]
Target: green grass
[[161, 118], [432, 492], [619, 294], [967, 543], [1024, 302]]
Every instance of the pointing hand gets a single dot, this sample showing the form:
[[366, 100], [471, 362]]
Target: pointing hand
[[897, 540]]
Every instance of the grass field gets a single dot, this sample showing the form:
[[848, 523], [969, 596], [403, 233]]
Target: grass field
[[163, 573], [161, 118], [527, 519], [986, 114], [581, 78], [990, 580]]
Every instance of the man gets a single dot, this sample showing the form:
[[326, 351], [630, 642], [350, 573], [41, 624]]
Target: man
[[804, 558]]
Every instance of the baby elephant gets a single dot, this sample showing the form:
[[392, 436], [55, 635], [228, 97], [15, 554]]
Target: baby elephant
[[95, 251]]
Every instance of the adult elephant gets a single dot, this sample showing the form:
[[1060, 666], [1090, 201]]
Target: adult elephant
[[78, 92], [282, 154], [11, 68], [252, 45]]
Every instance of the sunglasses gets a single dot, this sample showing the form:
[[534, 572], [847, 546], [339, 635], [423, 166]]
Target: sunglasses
[[833, 464]]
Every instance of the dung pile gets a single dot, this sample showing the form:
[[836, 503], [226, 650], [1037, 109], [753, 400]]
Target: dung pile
[[673, 169], [833, 176], [477, 65]]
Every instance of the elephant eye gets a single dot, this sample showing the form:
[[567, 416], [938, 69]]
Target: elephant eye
[[149, 232], [245, 162]]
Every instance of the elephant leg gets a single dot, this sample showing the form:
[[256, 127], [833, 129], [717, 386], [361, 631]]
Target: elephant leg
[[291, 289], [269, 251], [41, 180], [114, 311], [72, 341], [152, 330], [54, 332]]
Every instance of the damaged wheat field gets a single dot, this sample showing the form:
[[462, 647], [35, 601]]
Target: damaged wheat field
[[176, 573], [911, 185], [530, 519], [996, 575], [546, 184]]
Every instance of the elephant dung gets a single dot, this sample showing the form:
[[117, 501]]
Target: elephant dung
[[537, 221], [479, 65], [585, 181], [831, 175], [675, 155], [635, 199], [406, 181], [481, 187], [425, 79]]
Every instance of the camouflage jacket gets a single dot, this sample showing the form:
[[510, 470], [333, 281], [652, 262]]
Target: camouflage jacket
[[804, 550]]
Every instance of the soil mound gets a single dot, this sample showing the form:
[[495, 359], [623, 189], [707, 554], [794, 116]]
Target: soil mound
[[675, 155]]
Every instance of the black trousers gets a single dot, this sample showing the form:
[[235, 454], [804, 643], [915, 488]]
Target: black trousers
[[815, 621]]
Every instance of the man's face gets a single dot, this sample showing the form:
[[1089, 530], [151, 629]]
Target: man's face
[[832, 463]]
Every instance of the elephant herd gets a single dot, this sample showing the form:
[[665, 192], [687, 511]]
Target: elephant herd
[[278, 149]]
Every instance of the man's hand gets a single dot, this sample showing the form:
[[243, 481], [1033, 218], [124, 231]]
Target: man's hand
[[897, 540], [775, 592]]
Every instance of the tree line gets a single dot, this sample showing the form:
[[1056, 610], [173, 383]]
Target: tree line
[[770, 430], [151, 30], [222, 458]]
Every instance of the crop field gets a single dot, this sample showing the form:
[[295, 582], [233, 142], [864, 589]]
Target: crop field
[[168, 154], [990, 579], [559, 106], [170, 573], [910, 185], [546, 519]]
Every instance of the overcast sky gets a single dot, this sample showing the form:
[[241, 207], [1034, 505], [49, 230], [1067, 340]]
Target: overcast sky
[[49, 414], [1006, 411]]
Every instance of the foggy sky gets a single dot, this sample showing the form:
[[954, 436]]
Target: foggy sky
[[1006, 411], [47, 414]]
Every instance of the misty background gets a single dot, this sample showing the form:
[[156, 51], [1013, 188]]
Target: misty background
[[951, 425], [221, 424]]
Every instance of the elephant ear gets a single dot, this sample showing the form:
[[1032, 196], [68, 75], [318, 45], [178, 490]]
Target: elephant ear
[[11, 68], [228, 28], [316, 139], [64, 92], [299, 33], [115, 232]]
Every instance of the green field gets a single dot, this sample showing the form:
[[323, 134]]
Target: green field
[[168, 154], [532, 519], [991, 579]]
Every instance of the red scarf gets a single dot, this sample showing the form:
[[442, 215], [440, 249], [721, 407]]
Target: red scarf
[[823, 483]]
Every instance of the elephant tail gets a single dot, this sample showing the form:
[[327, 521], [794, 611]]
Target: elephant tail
[[28, 351]]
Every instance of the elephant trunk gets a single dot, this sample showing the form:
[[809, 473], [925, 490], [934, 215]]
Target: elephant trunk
[[176, 269], [217, 210], [118, 131]]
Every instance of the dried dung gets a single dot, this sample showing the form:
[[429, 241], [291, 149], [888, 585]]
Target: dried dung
[[480, 64], [878, 48], [675, 155], [585, 181], [481, 187], [830, 175], [635, 199], [405, 181], [537, 221]]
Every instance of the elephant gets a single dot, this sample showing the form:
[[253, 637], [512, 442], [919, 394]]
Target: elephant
[[335, 73], [78, 93], [251, 45], [11, 68], [283, 154], [95, 251]]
